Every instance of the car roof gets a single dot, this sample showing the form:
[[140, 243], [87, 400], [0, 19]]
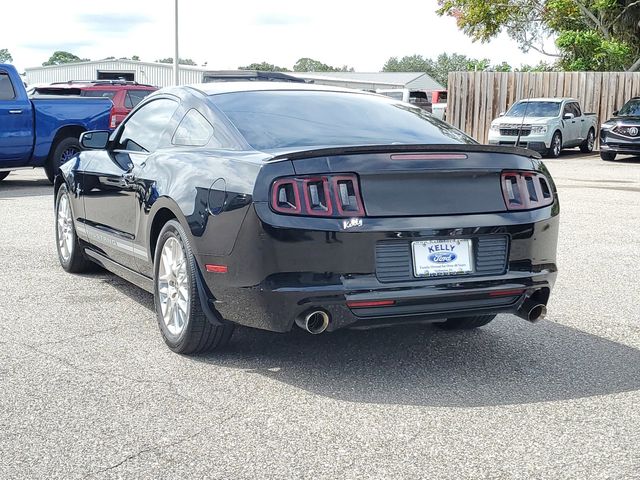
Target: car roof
[[216, 88]]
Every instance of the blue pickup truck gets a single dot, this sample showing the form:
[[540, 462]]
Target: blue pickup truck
[[43, 131]]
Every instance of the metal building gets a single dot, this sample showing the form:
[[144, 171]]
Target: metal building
[[158, 74], [373, 81]]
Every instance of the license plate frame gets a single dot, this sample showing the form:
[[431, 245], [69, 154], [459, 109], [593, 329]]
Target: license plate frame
[[433, 257]]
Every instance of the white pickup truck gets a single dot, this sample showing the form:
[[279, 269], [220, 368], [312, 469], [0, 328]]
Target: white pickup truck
[[546, 125]]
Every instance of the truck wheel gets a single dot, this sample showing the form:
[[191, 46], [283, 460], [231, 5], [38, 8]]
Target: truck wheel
[[587, 145], [184, 326], [63, 151], [466, 323], [556, 145], [608, 156], [3, 175]]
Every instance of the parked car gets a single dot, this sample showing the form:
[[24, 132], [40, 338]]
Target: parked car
[[434, 102], [43, 132], [546, 125], [270, 204], [621, 134], [124, 95]]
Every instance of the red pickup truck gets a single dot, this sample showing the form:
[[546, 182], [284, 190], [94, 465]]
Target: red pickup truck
[[124, 95]]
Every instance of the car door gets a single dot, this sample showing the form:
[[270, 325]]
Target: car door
[[571, 126], [110, 188], [581, 122], [16, 134]]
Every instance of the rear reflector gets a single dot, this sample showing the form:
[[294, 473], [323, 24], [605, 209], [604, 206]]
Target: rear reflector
[[216, 268], [371, 303], [506, 293], [428, 156]]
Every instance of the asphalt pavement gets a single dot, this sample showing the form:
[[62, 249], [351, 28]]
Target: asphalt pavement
[[89, 390]]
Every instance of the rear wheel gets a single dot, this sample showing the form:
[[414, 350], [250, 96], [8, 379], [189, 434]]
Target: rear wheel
[[608, 156], [466, 323], [69, 251], [587, 145], [3, 175], [556, 145], [184, 326], [63, 151]]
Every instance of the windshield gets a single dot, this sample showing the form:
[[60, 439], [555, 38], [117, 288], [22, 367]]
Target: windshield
[[535, 109], [631, 108], [292, 118]]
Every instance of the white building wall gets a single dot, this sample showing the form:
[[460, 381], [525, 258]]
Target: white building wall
[[158, 74]]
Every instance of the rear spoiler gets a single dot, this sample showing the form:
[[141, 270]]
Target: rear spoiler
[[461, 148]]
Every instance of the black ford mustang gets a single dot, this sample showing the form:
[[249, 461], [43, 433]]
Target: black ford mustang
[[269, 204]]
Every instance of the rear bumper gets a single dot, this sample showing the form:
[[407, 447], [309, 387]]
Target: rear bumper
[[276, 274]]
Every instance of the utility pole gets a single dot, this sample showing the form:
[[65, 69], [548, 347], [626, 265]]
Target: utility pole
[[176, 74]]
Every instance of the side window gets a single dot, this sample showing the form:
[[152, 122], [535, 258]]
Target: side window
[[194, 130], [576, 109], [567, 109], [6, 88], [142, 132], [134, 97]]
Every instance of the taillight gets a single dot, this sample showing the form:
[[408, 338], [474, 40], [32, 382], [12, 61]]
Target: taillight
[[526, 190], [113, 119], [318, 195]]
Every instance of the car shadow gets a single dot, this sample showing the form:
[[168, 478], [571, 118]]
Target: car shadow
[[18, 186], [508, 362]]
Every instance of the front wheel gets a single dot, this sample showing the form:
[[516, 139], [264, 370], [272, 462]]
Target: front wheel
[[556, 145], [70, 253], [466, 323], [608, 156], [184, 326], [587, 145], [64, 150]]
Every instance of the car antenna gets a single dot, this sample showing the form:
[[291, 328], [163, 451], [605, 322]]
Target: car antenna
[[524, 115]]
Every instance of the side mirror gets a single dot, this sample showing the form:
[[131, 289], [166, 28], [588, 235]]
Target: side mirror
[[501, 114], [95, 139], [615, 112], [568, 116]]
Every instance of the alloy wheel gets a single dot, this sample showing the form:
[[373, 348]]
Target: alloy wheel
[[173, 286], [590, 140], [556, 145], [65, 228]]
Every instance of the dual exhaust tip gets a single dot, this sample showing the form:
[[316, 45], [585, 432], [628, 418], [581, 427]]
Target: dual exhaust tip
[[314, 322]]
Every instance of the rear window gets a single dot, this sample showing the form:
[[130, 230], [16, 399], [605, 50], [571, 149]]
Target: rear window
[[280, 119], [99, 93]]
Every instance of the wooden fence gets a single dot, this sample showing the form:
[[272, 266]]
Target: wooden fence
[[476, 98]]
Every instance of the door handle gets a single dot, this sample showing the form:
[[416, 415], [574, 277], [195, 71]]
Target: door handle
[[15, 112]]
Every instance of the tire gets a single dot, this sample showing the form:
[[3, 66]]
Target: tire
[[4, 175], [466, 323], [70, 253], [183, 325], [587, 145], [556, 145], [608, 156], [63, 151]]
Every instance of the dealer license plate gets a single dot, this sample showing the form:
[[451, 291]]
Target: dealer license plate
[[434, 258]]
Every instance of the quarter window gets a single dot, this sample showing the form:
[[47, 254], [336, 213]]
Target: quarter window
[[194, 130], [143, 131], [6, 88], [134, 97]]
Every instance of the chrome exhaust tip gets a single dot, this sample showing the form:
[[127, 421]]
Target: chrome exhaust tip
[[314, 322], [532, 311]]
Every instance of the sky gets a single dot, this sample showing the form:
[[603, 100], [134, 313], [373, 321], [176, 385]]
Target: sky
[[226, 35]]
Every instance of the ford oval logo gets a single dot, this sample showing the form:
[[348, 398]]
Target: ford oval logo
[[442, 257]]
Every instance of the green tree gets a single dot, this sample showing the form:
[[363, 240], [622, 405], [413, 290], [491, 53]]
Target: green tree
[[307, 64], [590, 34], [5, 56], [181, 61], [437, 69], [410, 63], [264, 66], [136, 58], [60, 57]]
